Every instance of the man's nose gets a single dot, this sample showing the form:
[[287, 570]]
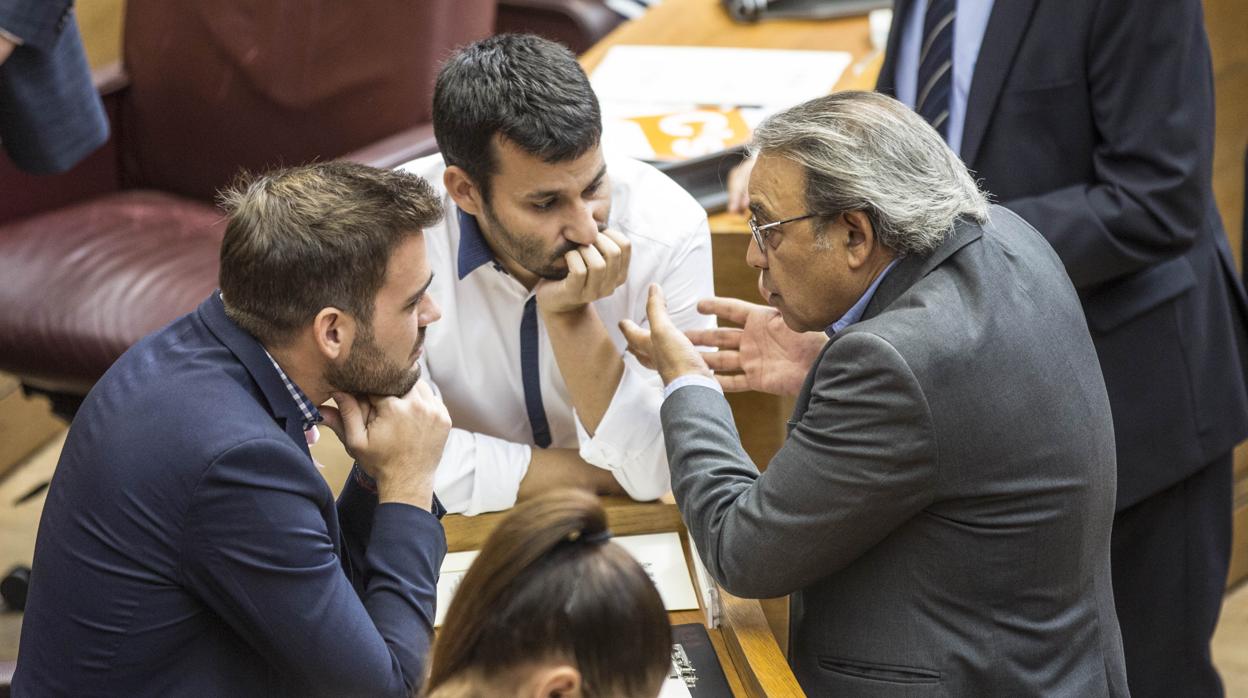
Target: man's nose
[[754, 256], [584, 226]]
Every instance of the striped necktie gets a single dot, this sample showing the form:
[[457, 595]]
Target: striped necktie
[[935, 83]]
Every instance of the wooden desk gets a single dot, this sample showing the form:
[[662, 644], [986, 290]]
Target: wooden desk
[[744, 643]]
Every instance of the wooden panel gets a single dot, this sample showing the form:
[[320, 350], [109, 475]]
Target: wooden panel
[[1239, 561], [26, 423], [1226, 22], [100, 22], [765, 672]]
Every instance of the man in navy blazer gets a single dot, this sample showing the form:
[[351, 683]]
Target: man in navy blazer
[[189, 545], [50, 113]]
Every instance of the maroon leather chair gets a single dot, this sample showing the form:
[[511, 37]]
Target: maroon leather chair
[[577, 24], [92, 260]]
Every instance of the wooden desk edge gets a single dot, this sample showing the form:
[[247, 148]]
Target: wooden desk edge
[[754, 650]]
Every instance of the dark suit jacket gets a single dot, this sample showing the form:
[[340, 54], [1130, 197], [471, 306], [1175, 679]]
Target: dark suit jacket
[[1094, 122], [189, 546], [50, 114], [938, 539]]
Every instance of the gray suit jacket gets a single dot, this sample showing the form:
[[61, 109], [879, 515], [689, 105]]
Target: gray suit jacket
[[941, 509]]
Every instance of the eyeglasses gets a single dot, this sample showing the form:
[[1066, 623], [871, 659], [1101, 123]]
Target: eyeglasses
[[762, 232]]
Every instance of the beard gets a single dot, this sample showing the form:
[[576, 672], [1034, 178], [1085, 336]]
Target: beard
[[368, 371], [527, 251]]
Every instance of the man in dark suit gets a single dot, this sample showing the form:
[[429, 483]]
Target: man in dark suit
[[50, 113], [937, 538], [188, 545], [1094, 122]]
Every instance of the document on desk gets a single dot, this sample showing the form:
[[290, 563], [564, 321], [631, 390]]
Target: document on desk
[[680, 102], [660, 555], [743, 77]]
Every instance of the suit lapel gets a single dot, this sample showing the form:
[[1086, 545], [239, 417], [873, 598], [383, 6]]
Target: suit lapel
[[887, 81], [1002, 37], [803, 396]]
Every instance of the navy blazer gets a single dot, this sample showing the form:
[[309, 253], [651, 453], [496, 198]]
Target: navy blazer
[[50, 113], [1094, 122], [189, 545]]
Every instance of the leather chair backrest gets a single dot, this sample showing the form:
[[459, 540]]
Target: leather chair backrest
[[229, 84]]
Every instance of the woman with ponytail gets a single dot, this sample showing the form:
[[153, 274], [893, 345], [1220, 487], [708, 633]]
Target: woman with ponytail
[[551, 607]]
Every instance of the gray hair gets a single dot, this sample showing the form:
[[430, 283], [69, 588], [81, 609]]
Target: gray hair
[[864, 151]]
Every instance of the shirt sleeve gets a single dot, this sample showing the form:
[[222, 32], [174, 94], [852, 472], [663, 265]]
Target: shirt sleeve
[[258, 551], [629, 438], [480, 473]]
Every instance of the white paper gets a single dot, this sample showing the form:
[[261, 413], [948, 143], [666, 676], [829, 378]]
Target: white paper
[[454, 565], [663, 559], [660, 555], [684, 75]]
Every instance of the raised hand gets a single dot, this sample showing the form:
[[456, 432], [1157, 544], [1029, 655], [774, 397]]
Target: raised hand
[[594, 271], [763, 355], [663, 347]]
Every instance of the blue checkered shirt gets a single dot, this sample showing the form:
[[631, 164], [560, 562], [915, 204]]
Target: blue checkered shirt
[[311, 415]]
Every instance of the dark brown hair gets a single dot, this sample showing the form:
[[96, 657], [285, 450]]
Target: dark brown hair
[[305, 238], [521, 87], [549, 586]]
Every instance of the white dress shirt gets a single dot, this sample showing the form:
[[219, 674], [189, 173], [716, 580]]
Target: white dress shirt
[[472, 357]]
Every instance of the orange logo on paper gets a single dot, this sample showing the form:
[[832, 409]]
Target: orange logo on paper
[[690, 134]]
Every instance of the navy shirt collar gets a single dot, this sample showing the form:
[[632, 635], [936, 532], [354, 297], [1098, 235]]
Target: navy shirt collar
[[473, 250]]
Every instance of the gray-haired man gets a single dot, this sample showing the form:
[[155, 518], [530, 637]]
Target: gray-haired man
[[941, 509]]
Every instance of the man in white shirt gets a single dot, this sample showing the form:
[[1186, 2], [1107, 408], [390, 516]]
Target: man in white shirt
[[545, 247]]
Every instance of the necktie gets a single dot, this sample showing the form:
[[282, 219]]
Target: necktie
[[935, 83], [530, 374]]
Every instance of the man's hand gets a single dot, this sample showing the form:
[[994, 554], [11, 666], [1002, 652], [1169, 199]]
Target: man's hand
[[594, 272], [398, 441], [765, 355], [664, 347], [6, 47]]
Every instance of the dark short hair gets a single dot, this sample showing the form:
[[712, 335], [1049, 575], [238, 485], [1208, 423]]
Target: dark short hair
[[548, 585], [301, 239], [524, 88]]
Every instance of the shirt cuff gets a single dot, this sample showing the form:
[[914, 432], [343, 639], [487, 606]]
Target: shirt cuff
[[692, 379]]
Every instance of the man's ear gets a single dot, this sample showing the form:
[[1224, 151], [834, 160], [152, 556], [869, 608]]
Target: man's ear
[[465, 192], [860, 239], [334, 331], [558, 681]]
